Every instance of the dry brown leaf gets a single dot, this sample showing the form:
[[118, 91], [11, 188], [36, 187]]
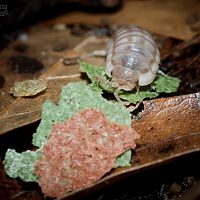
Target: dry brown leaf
[[170, 127], [168, 18], [23, 111]]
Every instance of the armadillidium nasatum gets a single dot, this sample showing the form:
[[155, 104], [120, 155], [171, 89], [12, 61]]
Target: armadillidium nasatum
[[132, 58]]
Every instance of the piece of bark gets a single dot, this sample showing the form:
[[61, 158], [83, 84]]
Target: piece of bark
[[175, 116]]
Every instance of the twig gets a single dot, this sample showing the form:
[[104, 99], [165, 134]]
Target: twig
[[62, 77]]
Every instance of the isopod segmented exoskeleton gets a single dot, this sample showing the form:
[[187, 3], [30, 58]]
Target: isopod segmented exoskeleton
[[132, 58]]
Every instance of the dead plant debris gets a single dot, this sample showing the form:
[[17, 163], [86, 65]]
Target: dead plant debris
[[28, 88]]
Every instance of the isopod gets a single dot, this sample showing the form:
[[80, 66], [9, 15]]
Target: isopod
[[132, 58]]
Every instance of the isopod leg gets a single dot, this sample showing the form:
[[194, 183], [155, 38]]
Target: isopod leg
[[162, 73], [116, 92], [137, 89]]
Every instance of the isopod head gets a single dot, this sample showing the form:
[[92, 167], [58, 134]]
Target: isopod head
[[124, 78]]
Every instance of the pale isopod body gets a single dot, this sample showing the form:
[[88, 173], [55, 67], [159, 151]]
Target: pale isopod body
[[132, 58]]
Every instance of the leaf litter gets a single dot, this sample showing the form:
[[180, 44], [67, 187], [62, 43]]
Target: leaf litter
[[74, 98], [28, 88], [77, 97]]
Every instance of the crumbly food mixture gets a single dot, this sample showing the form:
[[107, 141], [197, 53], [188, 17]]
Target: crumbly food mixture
[[80, 151]]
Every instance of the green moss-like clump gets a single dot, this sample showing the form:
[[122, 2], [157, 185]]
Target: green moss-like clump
[[162, 84], [74, 97], [21, 164]]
